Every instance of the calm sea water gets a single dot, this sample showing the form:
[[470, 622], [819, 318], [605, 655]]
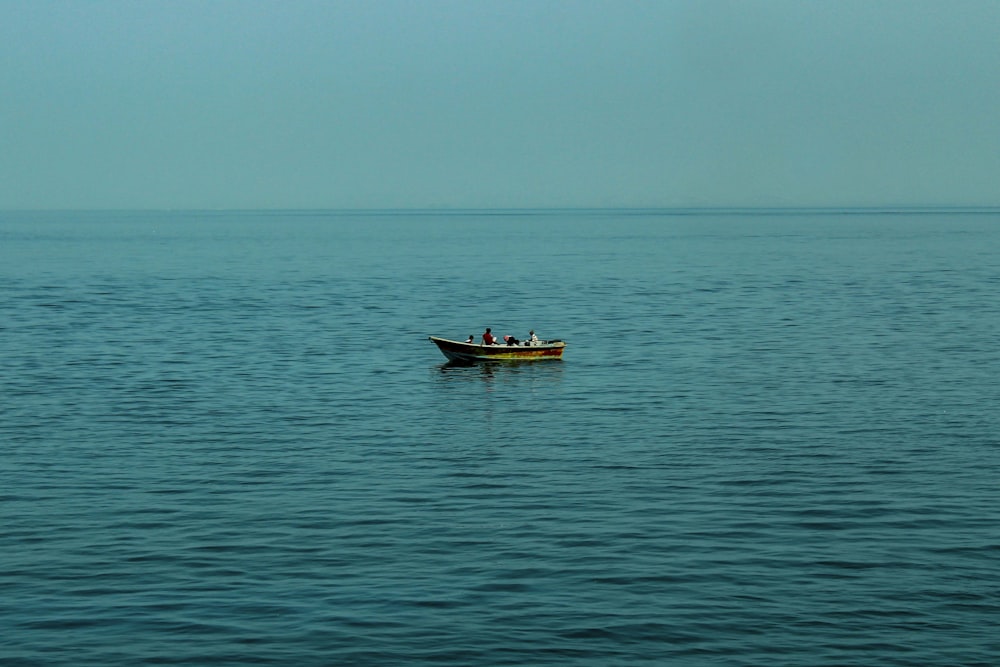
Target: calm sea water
[[226, 440]]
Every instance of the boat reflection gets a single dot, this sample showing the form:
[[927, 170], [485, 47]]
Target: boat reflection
[[519, 371]]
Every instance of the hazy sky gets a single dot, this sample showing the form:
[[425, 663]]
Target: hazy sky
[[416, 103]]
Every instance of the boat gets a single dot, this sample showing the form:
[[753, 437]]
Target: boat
[[474, 352]]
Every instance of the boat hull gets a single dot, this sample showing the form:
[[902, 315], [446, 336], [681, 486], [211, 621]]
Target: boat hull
[[473, 353]]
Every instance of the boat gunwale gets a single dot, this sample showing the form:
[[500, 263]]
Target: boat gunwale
[[540, 345]]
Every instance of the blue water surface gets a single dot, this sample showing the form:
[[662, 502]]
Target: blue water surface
[[226, 440]]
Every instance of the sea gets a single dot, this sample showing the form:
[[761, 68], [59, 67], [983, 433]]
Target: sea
[[774, 438]]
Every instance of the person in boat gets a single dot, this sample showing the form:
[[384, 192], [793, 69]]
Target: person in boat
[[471, 339], [488, 337], [511, 340], [532, 338]]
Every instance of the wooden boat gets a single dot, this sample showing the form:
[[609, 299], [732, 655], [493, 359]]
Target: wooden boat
[[473, 352]]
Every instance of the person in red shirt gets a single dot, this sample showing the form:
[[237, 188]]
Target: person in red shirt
[[488, 338]]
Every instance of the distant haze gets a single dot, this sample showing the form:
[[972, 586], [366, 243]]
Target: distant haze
[[401, 104]]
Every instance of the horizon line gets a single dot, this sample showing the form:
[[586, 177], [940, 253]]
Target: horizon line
[[542, 210]]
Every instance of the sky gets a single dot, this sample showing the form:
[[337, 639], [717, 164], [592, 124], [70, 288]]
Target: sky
[[248, 104]]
